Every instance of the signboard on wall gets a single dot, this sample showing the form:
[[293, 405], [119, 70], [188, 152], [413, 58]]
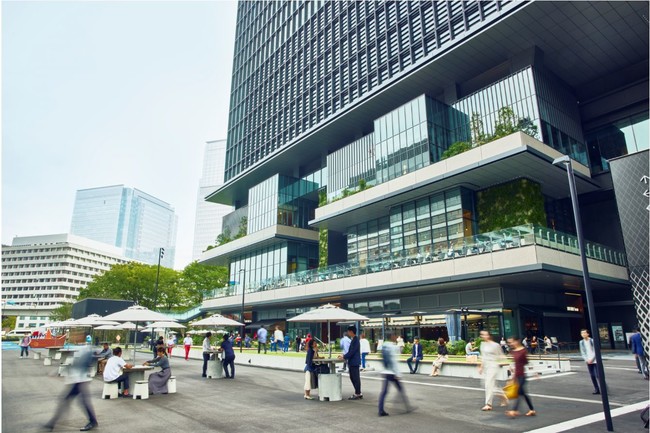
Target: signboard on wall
[[603, 333]]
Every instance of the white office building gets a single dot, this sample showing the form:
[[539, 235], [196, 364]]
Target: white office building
[[208, 224], [40, 273]]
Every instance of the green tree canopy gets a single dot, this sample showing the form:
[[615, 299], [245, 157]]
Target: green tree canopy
[[62, 312], [136, 282], [198, 279]]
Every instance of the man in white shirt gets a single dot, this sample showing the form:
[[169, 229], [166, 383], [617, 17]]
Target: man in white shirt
[[113, 371], [278, 338], [345, 346], [588, 353], [391, 373], [261, 339]]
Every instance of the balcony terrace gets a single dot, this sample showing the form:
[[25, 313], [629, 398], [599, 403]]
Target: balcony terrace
[[488, 259]]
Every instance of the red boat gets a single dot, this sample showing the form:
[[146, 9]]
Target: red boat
[[41, 343]]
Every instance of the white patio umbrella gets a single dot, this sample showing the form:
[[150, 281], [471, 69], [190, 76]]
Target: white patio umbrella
[[328, 313], [198, 332], [216, 320], [93, 320], [137, 314]]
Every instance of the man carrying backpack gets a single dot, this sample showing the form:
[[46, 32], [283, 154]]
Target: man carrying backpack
[[389, 353]]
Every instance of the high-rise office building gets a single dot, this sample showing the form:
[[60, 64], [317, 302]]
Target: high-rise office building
[[396, 158], [209, 215], [127, 218], [40, 273]]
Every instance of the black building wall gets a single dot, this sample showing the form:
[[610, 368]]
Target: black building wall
[[631, 185]]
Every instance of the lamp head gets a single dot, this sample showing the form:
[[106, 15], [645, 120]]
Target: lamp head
[[564, 159]]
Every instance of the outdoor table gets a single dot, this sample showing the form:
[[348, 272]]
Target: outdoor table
[[51, 351], [137, 372], [215, 367], [329, 385], [66, 354]]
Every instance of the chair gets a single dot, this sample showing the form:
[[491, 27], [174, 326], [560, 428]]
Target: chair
[[47, 360], [141, 390], [110, 390], [37, 355]]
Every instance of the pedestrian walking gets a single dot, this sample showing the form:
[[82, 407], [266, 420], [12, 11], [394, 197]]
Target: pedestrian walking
[[24, 346], [519, 354], [353, 358], [416, 356], [588, 354], [78, 379], [278, 339], [636, 344], [170, 345], [187, 344], [400, 344], [391, 373], [206, 353], [491, 353], [298, 341], [364, 344], [442, 357], [261, 339], [287, 342], [344, 344], [228, 358]]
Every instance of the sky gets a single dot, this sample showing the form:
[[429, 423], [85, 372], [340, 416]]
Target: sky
[[106, 93]]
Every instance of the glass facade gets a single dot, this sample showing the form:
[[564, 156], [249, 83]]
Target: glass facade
[[281, 200], [298, 63], [541, 98], [627, 135], [351, 164], [273, 262], [413, 136], [428, 225], [127, 218]]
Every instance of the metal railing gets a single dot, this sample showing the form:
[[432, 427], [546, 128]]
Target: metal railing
[[505, 239]]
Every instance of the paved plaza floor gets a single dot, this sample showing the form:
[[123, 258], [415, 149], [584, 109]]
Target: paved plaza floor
[[269, 400]]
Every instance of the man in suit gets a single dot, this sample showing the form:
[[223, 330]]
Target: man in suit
[[636, 344], [353, 359], [416, 356]]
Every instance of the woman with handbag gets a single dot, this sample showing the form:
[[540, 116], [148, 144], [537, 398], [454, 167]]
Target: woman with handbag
[[518, 352], [310, 367]]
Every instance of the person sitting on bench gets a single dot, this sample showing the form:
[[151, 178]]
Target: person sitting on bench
[[103, 356], [470, 350], [158, 380], [113, 371]]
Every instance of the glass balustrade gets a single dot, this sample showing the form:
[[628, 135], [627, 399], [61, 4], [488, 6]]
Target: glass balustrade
[[505, 239]]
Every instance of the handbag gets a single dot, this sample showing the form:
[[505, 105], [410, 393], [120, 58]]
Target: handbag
[[511, 389]]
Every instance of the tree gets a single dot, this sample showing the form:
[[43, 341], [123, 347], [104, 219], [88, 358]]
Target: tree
[[136, 282], [506, 123], [478, 133], [224, 237], [243, 227], [8, 322], [197, 280], [62, 312]]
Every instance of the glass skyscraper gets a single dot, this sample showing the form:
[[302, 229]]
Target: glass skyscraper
[[414, 140], [129, 219]]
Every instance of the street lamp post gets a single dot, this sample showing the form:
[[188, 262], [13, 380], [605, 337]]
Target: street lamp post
[[384, 322], [243, 293], [161, 254], [418, 319], [566, 161]]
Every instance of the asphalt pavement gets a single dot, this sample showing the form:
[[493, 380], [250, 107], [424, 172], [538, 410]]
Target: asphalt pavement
[[269, 400]]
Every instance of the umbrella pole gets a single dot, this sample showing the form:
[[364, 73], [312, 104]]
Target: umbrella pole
[[135, 336], [329, 339]]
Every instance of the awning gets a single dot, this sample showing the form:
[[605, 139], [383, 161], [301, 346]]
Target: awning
[[428, 321], [266, 323]]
